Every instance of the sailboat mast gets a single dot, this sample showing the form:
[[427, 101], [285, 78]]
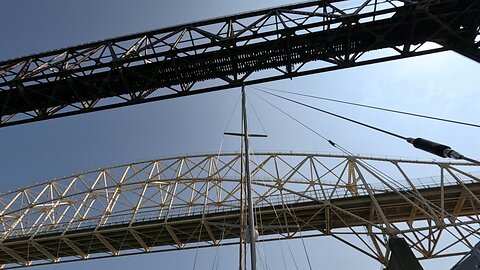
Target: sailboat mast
[[243, 222], [251, 218]]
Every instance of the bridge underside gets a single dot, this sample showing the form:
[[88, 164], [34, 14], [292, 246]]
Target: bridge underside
[[281, 221], [231, 51]]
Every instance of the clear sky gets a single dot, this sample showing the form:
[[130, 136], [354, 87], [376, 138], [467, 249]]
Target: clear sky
[[444, 85]]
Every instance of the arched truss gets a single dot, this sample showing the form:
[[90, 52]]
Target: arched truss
[[190, 201]]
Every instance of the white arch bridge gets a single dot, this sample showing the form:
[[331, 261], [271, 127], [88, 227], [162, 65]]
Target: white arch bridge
[[195, 201]]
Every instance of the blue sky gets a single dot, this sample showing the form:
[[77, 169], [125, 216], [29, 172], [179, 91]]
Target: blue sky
[[444, 85]]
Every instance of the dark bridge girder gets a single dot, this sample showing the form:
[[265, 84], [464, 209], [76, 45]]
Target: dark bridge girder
[[227, 52]]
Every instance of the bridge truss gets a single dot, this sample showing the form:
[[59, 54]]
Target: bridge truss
[[222, 53], [194, 201]]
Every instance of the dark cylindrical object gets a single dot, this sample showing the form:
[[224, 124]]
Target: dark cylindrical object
[[431, 147]]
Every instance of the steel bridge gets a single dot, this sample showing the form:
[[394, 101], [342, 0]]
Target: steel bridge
[[222, 53], [194, 201]]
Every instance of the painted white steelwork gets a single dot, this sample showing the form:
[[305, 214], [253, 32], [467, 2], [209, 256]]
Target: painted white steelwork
[[189, 201]]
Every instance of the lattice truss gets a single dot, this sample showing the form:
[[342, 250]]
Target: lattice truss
[[194, 201], [227, 52]]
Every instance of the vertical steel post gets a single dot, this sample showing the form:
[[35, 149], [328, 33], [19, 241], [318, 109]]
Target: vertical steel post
[[251, 218]]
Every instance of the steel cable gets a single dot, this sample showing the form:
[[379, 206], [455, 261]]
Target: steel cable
[[374, 107], [398, 184]]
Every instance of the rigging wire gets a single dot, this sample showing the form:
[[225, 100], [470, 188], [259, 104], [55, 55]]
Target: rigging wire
[[467, 227], [216, 259], [278, 217], [398, 184], [196, 249], [332, 143], [258, 213], [301, 235], [228, 124], [283, 256], [241, 177], [345, 151], [263, 259], [338, 116], [305, 249], [250, 104], [259, 219], [258, 216], [373, 107], [440, 150], [291, 254], [296, 120]]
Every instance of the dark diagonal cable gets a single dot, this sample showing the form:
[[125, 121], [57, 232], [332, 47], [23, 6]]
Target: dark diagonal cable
[[376, 108], [338, 116], [385, 176], [438, 149]]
